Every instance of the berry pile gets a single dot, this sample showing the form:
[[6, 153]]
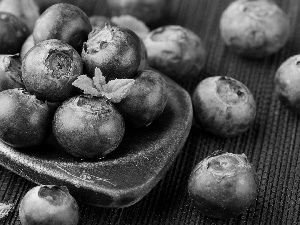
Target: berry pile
[[84, 85]]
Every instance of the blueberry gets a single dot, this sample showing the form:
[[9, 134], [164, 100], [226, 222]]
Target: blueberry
[[223, 185], [24, 120], [88, 127], [48, 204], [223, 106]]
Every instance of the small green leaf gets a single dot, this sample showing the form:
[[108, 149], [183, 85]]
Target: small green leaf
[[118, 89], [99, 79], [86, 85], [114, 90]]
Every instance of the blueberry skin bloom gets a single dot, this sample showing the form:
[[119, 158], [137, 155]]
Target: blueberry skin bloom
[[13, 32], [49, 68], [254, 28], [223, 106], [223, 185], [287, 81], [64, 22], [176, 51], [115, 50], [88, 127], [49, 205], [24, 120]]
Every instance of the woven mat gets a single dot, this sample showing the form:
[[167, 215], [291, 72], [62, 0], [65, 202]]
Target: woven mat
[[272, 144]]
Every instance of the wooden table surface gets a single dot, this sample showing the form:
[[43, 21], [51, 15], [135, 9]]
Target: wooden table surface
[[272, 144]]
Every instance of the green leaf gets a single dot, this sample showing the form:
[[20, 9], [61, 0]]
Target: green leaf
[[118, 89], [114, 90], [99, 79], [86, 84]]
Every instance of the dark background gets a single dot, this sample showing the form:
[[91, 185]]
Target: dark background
[[272, 144]]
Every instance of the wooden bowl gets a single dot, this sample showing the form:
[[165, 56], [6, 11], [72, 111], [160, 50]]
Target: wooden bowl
[[126, 175]]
